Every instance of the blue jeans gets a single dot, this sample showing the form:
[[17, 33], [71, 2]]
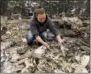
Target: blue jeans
[[44, 35]]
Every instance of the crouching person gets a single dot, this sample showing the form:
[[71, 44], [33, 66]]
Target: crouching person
[[40, 26]]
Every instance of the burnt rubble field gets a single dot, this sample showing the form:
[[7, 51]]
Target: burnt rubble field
[[73, 57]]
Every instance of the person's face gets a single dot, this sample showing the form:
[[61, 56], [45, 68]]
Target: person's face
[[41, 17]]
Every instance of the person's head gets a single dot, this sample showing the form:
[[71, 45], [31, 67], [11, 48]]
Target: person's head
[[40, 14]]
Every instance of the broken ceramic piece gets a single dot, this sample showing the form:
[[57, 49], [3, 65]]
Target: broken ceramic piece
[[85, 60], [39, 51]]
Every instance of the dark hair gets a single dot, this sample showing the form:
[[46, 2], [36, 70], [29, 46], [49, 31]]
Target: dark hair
[[39, 10]]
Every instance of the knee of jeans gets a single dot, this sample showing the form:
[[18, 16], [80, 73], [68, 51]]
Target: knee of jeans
[[44, 35], [29, 37]]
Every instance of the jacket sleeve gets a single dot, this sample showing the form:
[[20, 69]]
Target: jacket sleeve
[[52, 27], [33, 28]]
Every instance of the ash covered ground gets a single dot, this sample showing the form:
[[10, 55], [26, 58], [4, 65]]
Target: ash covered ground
[[18, 57]]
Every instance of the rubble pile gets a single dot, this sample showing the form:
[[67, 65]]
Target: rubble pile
[[18, 57]]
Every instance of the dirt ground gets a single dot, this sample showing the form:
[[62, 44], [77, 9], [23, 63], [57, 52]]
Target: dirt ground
[[17, 56]]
